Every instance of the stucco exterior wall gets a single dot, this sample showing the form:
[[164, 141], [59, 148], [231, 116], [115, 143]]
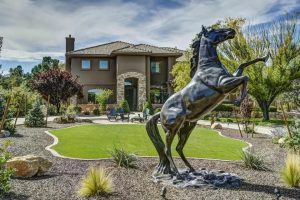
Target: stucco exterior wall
[[94, 75], [95, 78], [131, 64]]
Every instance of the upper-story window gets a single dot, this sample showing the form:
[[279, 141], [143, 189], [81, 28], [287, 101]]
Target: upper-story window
[[155, 67], [103, 64], [85, 64]]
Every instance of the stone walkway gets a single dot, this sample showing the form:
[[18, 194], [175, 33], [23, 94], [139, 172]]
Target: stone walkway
[[268, 130]]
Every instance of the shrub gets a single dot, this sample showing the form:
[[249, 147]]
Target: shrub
[[8, 124], [96, 182], [77, 109], [5, 173], [290, 174], [124, 104], [35, 117], [51, 110], [252, 161], [103, 97], [123, 158], [224, 107], [70, 111], [294, 141], [148, 105], [96, 111], [86, 112]]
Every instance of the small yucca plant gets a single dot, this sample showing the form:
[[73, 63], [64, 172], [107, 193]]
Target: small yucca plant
[[290, 174], [96, 182], [123, 158], [253, 161]]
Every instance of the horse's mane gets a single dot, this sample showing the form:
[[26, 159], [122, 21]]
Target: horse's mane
[[195, 57]]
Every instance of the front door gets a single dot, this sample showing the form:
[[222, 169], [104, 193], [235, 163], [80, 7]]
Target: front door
[[131, 85]]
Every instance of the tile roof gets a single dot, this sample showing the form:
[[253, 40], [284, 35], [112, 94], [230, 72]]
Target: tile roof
[[119, 47], [103, 49]]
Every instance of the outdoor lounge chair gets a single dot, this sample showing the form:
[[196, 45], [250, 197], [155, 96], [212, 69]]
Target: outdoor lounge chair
[[139, 118], [112, 114], [122, 114]]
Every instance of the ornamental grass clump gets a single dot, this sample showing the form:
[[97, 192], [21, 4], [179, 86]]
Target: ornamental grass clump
[[96, 183], [123, 159], [290, 174], [253, 161]]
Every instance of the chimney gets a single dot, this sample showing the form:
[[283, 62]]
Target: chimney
[[70, 43]]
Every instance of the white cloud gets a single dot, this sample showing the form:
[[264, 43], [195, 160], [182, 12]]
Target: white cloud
[[33, 29]]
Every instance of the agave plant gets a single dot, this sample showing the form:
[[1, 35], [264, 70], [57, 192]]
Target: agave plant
[[253, 161], [123, 159]]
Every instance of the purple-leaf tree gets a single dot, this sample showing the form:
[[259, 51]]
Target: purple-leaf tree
[[59, 85]]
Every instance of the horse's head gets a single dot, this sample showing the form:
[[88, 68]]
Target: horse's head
[[216, 36]]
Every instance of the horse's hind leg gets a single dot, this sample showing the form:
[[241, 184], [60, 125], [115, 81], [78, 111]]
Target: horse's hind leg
[[169, 139], [183, 136], [170, 134]]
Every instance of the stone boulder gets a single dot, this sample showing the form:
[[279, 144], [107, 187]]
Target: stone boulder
[[4, 133], [29, 166], [216, 126]]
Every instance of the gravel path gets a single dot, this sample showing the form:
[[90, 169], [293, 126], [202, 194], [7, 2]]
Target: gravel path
[[61, 182]]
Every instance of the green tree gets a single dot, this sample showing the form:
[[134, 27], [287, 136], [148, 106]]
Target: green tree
[[35, 117], [47, 63], [103, 97], [16, 76], [181, 72], [281, 39]]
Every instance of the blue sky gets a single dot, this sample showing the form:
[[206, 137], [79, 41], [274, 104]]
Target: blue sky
[[36, 28]]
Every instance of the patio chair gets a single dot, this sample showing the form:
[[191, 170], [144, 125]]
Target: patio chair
[[122, 114], [140, 118], [146, 114], [112, 114]]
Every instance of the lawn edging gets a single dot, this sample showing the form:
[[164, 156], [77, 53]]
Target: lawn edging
[[56, 154]]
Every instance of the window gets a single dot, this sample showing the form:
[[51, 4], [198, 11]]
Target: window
[[103, 64], [92, 95], [155, 67], [85, 64], [158, 95]]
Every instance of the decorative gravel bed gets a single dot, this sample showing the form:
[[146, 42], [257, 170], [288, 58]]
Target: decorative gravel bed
[[62, 180]]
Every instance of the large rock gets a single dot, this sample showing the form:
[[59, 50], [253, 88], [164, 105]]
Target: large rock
[[216, 126], [29, 166], [4, 133]]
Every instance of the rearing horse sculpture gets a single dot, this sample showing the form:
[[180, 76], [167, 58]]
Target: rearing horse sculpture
[[210, 84]]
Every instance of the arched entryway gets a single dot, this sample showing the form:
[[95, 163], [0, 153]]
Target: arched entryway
[[131, 92], [135, 80]]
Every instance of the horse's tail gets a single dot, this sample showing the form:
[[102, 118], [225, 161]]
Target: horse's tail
[[153, 132]]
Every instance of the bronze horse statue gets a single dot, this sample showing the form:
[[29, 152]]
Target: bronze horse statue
[[211, 83]]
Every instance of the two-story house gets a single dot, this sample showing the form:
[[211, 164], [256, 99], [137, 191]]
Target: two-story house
[[133, 72]]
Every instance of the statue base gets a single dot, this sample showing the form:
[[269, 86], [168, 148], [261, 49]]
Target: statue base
[[198, 179]]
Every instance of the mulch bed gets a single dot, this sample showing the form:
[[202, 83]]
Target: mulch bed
[[62, 181]]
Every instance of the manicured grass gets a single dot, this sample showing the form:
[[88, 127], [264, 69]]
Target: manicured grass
[[97, 141]]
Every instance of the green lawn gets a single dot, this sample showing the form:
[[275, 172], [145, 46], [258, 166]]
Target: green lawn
[[96, 141]]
